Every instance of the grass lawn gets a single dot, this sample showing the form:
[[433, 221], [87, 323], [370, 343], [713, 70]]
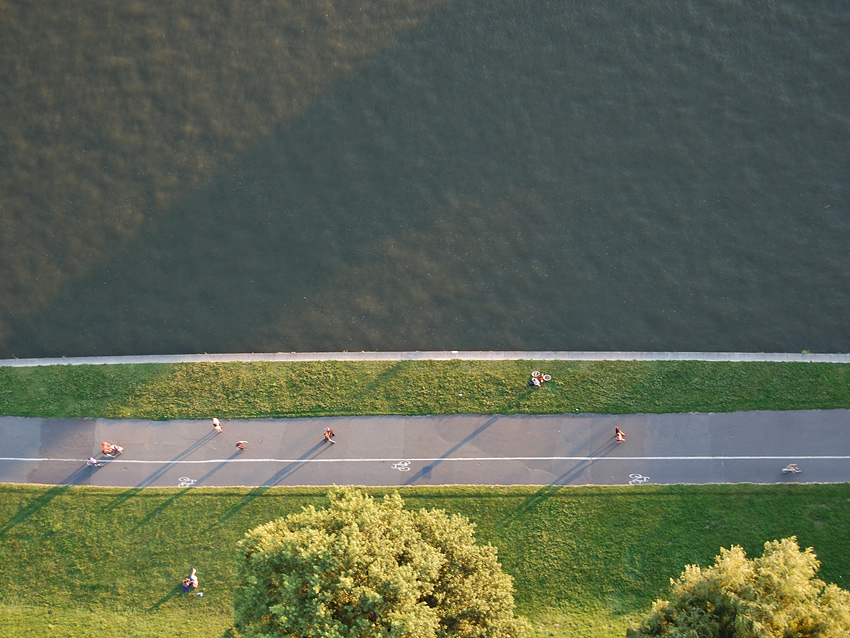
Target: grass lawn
[[82, 561], [308, 389]]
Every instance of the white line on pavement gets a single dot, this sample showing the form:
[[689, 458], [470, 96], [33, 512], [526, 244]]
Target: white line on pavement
[[591, 459]]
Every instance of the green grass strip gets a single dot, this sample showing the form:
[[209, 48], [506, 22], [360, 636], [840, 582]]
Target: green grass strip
[[310, 389], [81, 561]]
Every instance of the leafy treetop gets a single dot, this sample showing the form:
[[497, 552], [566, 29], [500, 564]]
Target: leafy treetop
[[366, 568], [774, 596]]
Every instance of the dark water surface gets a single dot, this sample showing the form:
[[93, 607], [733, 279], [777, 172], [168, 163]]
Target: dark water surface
[[425, 175]]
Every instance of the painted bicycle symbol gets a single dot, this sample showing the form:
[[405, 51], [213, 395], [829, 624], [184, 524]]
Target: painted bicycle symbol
[[638, 478], [185, 481], [401, 466]]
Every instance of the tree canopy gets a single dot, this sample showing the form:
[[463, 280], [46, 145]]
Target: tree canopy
[[774, 596], [365, 567]]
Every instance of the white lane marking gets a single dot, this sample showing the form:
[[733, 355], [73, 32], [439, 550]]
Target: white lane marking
[[591, 459]]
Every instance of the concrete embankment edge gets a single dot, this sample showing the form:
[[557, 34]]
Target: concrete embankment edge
[[439, 355]]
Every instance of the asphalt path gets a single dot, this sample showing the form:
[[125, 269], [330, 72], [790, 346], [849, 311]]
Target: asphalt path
[[738, 447]]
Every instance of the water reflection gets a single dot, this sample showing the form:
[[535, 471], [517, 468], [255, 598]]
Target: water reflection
[[523, 175]]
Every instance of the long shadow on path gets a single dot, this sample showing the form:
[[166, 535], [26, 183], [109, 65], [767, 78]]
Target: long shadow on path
[[217, 468], [293, 467], [167, 465], [287, 470], [426, 470]]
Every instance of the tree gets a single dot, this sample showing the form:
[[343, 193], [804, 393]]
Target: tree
[[775, 596], [367, 568]]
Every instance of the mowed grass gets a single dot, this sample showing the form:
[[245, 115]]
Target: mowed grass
[[587, 561], [305, 389]]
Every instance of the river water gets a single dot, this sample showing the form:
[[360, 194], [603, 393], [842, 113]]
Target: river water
[[431, 174]]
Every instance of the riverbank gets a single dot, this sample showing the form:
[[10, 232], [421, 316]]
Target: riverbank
[[586, 561]]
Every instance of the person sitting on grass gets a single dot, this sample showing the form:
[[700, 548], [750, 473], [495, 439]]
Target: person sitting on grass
[[538, 379]]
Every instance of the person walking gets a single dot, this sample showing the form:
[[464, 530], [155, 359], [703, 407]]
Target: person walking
[[618, 434], [216, 425], [329, 435], [240, 445]]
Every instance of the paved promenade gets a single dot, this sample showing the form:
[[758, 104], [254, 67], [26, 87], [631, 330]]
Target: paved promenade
[[469, 449]]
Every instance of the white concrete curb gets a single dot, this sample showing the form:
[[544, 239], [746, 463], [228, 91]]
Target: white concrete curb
[[439, 355]]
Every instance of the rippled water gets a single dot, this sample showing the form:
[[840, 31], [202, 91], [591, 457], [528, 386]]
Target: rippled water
[[427, 175]]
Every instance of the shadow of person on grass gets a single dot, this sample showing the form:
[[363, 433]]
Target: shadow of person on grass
[[76, 477], [123, 497], [159, 509], [235, 509], [32, 507], [175, 591], [545, 493]]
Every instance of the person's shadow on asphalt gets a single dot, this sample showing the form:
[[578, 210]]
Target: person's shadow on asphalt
[[293, 467], [425, 472], [167, 465], [236, 454]]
